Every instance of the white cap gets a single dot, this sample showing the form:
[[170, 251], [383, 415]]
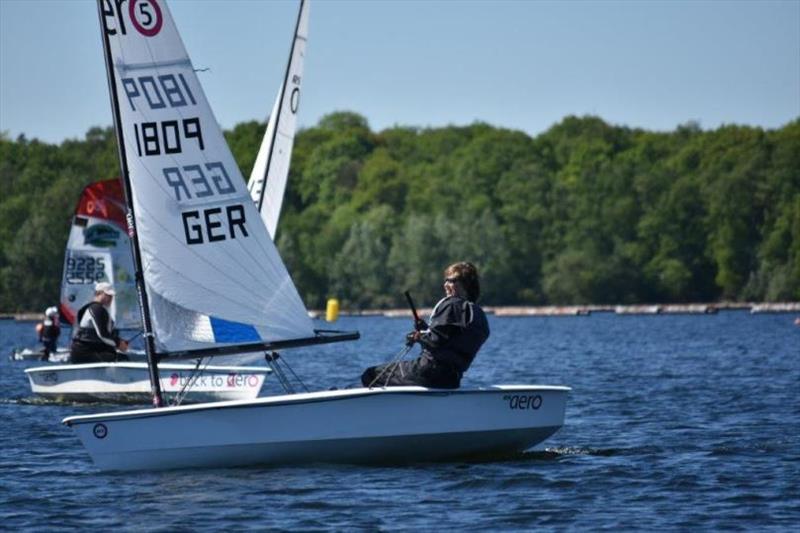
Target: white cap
[[51, 311], [104, 287]]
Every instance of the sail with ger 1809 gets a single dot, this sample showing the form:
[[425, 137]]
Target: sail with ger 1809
[[213, 281], [210, 269], [217, 286]]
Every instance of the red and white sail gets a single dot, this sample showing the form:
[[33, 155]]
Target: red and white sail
[[98, 249]]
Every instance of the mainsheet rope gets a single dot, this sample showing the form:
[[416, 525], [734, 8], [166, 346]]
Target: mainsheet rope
[[393, 365], [190, 382]]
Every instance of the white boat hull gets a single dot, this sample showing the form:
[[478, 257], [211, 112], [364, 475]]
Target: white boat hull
[[61, 355], [129, 382], [384, 425]]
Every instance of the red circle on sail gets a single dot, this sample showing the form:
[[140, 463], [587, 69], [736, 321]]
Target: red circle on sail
[[150, 13]]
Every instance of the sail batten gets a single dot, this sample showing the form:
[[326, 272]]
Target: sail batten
[[131, 67]]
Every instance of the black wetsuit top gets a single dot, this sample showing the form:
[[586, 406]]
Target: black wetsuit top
[[457, 330], [50, 331], [95, 338], [48, 336]]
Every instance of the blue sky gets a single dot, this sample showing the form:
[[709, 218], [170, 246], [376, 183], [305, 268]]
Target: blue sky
[[516, 64]]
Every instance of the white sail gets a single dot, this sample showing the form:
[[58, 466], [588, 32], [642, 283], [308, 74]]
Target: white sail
[[212, 274], [267, 182], [98, 249]]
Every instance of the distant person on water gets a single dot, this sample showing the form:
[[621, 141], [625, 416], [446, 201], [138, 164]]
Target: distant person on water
[[95, 339], [458, 328], [49, 330]]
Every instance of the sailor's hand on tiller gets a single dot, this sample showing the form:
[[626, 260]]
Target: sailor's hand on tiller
[[122, 346], [411, 338]]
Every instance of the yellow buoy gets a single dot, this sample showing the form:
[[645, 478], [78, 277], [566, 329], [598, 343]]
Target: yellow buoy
[[332, 311]]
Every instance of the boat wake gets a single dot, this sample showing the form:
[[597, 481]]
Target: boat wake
[[568, 451], [556, 453], [548, 454], [37, 400]]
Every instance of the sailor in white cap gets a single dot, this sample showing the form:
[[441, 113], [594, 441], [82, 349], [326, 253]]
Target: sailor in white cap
[[95, 339]]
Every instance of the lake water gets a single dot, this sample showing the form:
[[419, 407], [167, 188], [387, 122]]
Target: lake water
[[674, 422]]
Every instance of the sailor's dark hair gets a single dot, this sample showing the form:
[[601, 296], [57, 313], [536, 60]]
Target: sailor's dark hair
[[467, 274]]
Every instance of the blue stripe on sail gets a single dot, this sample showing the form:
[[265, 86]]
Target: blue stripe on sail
[[227, 331]]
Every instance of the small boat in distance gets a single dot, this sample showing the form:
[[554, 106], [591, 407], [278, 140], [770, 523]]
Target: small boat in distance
[[61, 355], [98, 249]]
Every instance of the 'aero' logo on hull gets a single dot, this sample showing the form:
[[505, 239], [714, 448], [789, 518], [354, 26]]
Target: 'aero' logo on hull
[[523, 401]]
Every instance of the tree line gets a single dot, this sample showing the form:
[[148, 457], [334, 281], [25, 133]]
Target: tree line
[[586, 212]]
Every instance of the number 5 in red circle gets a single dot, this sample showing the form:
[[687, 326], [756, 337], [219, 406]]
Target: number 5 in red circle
[[145, 16]]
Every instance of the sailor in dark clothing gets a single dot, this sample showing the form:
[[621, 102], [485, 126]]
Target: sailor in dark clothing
[[95, 339], [49, 331], [458, 328]]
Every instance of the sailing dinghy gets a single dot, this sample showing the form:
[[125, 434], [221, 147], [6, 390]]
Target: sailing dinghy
[[211, 283], [98, 249], [61, 355]]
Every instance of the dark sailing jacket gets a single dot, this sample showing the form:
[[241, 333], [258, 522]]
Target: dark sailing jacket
[[50, 331], [95, 327], [457, 331]]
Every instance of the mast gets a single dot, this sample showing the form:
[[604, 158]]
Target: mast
[[149, 340], [280, 108]]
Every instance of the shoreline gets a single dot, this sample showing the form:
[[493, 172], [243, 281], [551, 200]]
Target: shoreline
[[588, 310], [549, 310]]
